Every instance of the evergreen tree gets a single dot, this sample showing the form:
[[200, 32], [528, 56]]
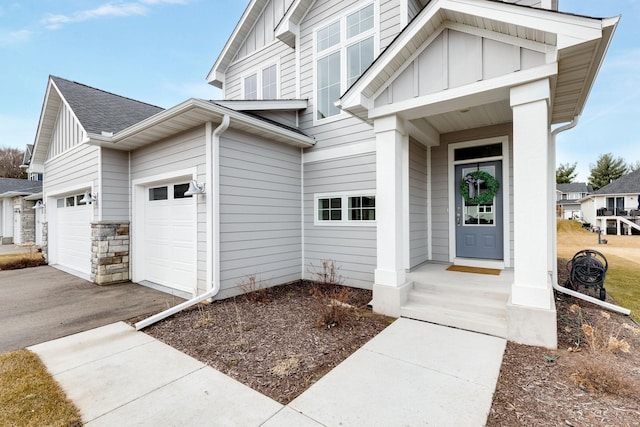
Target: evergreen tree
[[606, 170], [566, 173]]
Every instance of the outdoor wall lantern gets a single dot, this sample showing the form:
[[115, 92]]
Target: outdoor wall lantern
[[87, 198], [38, 205], [194, 188]]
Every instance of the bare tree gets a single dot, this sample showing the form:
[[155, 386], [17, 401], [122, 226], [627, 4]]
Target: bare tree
[[10, 161]]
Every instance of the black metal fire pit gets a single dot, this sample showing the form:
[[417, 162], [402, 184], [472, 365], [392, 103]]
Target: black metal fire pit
[[588, 269]]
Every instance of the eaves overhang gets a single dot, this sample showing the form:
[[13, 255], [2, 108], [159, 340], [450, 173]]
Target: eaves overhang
[[238, 36], [265, 104], [190, 114], [560, 36]]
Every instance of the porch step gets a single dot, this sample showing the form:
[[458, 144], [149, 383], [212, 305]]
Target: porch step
[[479, 307]]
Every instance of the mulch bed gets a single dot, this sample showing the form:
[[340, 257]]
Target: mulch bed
[[272, 340], [273, 343], [586, 382]]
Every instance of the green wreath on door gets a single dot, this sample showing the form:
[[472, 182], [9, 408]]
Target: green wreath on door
[[467, 188]]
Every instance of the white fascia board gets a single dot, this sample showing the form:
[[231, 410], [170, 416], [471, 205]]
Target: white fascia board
[[215, 111], [262, 105], [579, 27], [287, 32], [481, 92], [34, 196], [230, 48]]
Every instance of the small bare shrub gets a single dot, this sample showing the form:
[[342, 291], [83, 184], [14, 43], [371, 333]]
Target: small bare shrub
[[331, 306], [255, 290], [286, 367], [204, 317], [327, 274], [598, 334], [599, 375]]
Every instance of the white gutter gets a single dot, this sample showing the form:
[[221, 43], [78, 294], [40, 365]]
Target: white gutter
[[213, 226], [554, 276]]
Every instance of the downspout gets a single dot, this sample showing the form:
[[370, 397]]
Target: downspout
[[554, 273], [213, 227]]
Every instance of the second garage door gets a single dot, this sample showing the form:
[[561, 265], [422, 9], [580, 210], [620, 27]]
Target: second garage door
[[170, 253], [73, 234]]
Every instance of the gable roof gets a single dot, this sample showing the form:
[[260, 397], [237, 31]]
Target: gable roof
[[579, 42], [574, 187], [14, 186], [628, 184], [100, 111], [28, 152]]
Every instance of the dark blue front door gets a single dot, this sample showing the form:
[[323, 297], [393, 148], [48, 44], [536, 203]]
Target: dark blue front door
[[479, 227]]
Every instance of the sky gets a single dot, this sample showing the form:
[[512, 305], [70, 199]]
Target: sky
[[160, 51]]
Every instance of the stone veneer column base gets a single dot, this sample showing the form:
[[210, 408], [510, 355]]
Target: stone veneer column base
[[109, 252]]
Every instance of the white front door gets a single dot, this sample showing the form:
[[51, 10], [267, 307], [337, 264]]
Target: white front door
[[73, 234], [169, 247]]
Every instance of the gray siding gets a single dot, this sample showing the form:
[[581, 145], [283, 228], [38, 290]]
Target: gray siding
[[115, 188], [418, 231], [78, 166], [275, 53], [183, 151], [455, 59], [414, 7], [352, 248], [260, 212], [263, 30], [390, 22]]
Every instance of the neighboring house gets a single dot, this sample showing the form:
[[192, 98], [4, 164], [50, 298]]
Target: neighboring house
[[568, 199], [384, 135], [615, 208], [17, 216]]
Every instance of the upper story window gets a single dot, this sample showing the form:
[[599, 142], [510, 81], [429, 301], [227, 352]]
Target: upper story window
[[343, 49], [262, 84]]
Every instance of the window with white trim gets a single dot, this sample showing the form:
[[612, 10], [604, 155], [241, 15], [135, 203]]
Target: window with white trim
[[344, 49], [263, 84], [345, 209]]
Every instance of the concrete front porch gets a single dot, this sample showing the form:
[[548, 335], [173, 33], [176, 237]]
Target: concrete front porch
[[474, 302]]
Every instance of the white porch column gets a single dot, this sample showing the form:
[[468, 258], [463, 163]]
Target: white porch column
[[389, 289], [530, 199], [532, 309]]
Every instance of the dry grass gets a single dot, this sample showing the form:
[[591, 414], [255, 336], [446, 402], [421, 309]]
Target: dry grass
[[622, 253], [29, 396], [598, 374]]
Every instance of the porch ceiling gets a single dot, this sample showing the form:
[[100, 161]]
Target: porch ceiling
[[469, 118]]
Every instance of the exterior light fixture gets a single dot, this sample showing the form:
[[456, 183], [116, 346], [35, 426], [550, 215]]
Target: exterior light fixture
[[194, 188], [38, 205], [87, 198]]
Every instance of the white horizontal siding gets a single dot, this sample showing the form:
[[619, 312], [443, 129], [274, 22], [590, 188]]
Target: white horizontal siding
[[414, 8], [352, 248], [390, 22], [260, 212], [115, 188]]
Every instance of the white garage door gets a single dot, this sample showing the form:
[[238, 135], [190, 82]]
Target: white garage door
[[73, 234], [170, 253]]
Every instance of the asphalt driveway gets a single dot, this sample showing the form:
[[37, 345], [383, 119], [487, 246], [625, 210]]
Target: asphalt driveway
[[42, 303]]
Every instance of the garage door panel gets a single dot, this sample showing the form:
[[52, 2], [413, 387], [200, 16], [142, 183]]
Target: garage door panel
[[73, 237], [170, 241]]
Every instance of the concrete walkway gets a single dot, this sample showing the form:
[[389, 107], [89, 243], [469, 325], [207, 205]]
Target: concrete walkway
[[413, 373]]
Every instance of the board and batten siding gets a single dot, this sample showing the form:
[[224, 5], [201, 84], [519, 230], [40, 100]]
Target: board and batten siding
[[183, 151], [455, 59], [418, 198], [260, 212], [352, 248], [67, 133], [76, 167], [262, 32], [115, 188]]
